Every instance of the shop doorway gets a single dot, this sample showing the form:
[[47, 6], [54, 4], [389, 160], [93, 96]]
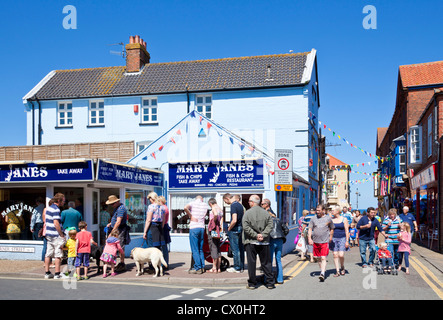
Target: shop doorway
[[95, 210]]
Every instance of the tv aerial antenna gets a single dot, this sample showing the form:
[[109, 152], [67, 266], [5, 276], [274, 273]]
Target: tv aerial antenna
[[121, 53]]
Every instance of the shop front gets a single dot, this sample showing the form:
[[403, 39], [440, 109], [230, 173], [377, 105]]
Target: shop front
[[211, 179], [86, 184], [424, 185]]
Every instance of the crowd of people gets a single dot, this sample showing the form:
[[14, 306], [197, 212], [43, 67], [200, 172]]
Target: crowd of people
[[254, 232], [338, 229]]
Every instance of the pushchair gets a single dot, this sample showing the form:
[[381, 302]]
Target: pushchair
[[379, 266], [224, 247]]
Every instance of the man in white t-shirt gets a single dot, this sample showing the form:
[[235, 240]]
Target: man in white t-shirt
[[197, 211]]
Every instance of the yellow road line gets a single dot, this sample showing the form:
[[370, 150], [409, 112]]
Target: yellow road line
[[425, 278], [429, 272], [295, 270]]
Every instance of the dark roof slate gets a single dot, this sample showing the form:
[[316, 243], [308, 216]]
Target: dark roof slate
[[174, 77]]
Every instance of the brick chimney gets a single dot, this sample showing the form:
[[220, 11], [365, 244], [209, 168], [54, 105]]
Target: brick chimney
[[136, 54]]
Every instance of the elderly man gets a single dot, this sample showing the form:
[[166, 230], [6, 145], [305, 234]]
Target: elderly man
[[266, 204], [257, 225], [408, 217]]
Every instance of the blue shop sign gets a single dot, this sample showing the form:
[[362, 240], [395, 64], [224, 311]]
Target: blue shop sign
[[108, 171], [217, 174], [47, 172]]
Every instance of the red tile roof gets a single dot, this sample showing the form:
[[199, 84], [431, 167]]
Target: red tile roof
[[333, 161], [422, 74]]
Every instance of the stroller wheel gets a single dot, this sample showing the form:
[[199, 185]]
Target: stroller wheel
[[224, 264]]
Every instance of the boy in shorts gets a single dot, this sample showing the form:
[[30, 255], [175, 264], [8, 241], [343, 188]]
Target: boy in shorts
[[320, 232], [83, 249]]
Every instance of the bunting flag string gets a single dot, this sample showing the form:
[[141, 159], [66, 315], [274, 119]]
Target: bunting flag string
[[352, 145], [234, 140]]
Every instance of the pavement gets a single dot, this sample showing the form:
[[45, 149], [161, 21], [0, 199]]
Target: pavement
[[179, 264]]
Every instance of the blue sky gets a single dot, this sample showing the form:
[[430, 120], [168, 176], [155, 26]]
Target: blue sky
[[358, 68]]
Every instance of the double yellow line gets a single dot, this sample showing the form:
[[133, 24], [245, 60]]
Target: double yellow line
[[295, 270], [427, 276]]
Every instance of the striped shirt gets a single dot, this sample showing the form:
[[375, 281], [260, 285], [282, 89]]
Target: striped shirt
[[52, 214], [393, 230], [198, 209]]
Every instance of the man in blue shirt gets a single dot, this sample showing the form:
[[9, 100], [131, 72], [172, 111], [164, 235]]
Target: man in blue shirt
[[408, 217], [235, 231], [367, 225]]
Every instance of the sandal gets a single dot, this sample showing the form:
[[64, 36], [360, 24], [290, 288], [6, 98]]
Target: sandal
[[337, 274], [212, 270], [342, 271]]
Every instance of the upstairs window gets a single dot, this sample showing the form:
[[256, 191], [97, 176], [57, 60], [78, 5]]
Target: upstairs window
[[97, 113], [149, 112], [203, 104], [402, 159], [415, 145], [64, 114], [430, 136]]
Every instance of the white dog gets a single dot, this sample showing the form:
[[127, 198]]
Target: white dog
[[152, 255]]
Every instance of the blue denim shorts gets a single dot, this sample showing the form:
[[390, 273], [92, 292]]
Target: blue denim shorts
[[82, 259]]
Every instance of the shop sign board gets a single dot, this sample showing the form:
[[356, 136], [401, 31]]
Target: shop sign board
[[47, 172], [283, 169], [217, 174], [109, 171], [424, 177]]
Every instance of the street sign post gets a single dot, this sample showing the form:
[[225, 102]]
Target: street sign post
[[283, 170]]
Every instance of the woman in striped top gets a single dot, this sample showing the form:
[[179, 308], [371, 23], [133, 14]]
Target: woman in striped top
[[391, 226]]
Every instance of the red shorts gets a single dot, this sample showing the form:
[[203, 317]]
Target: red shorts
[[321, 249]]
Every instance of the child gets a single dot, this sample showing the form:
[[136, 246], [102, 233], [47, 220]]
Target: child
[[404, 248], [83, 248], [70, 246], [110, 252], [385, 256], [353, 236]]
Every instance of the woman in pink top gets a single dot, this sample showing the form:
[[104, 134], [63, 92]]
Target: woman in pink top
[[109, 254], [404, 247]]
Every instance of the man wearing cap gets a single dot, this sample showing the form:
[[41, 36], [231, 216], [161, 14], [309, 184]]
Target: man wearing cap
[[118, 222]]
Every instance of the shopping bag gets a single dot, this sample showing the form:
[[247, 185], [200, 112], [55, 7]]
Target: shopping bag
[[297, 238], [301, 245]]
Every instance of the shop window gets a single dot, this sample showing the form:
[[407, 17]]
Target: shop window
[[136, 207], [19, 211], [179, 218]]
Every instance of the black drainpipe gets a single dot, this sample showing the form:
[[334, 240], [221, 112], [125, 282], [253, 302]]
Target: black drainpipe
[[33, 122], [39, 122]]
